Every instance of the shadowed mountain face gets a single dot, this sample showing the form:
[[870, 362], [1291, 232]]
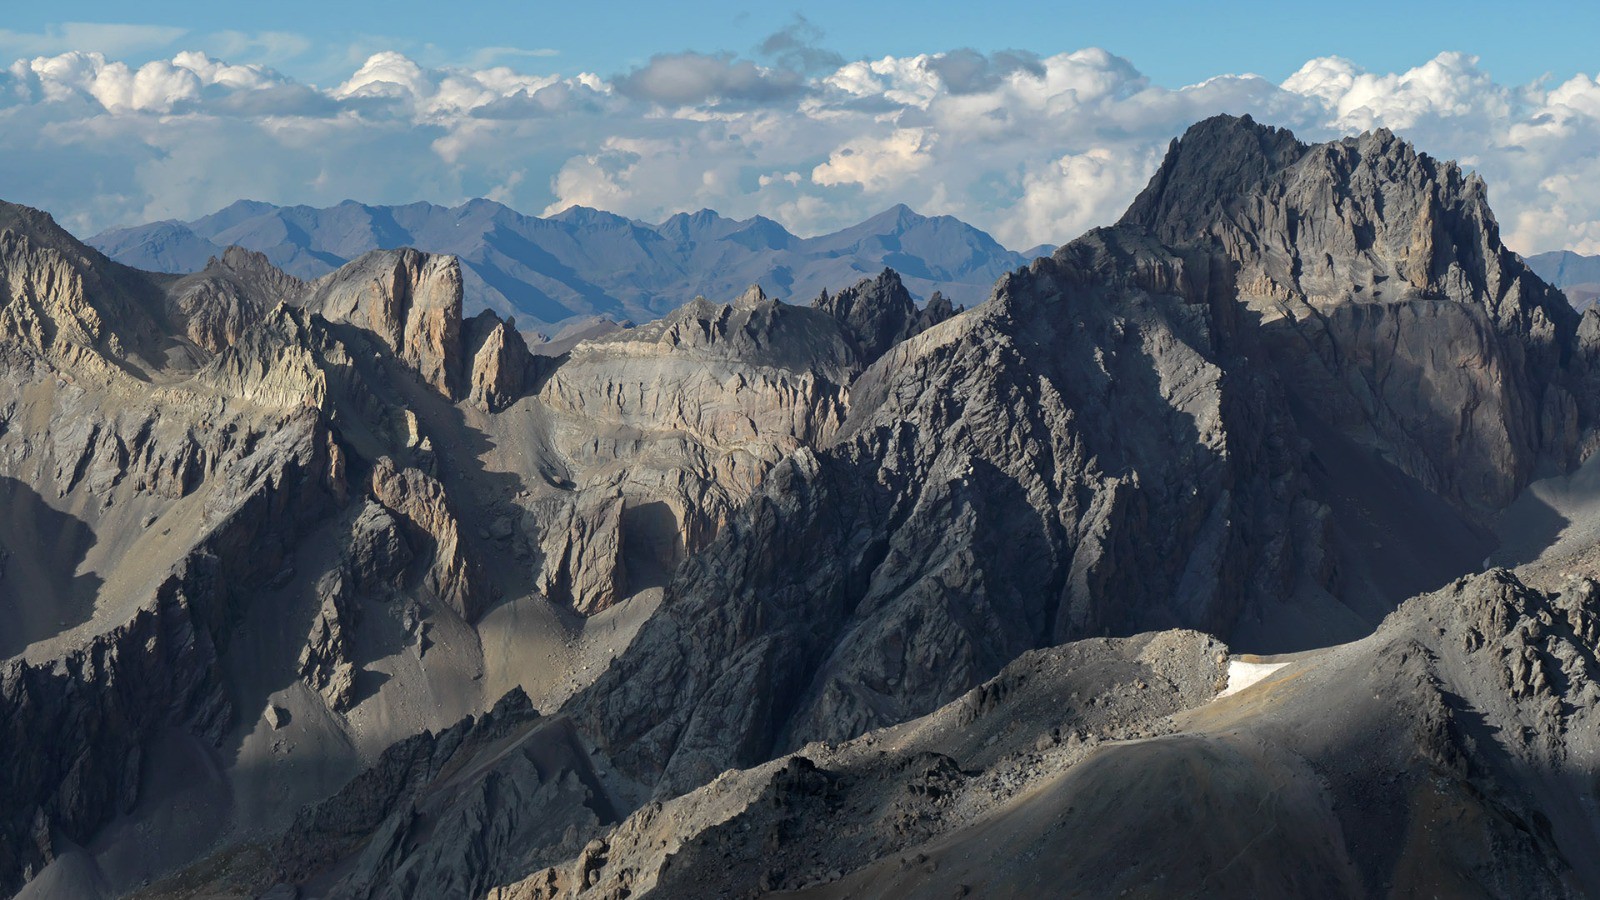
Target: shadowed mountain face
[[584, 262], [1347, 247], [332, 590]]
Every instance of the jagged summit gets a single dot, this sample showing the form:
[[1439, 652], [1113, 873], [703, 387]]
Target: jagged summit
[[1364, 239], [879, 312], [1364, 218], [1213, 165], [61, 296]]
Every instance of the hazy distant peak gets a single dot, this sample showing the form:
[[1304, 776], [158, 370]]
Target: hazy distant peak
[[478, 204], [896, 217], [583, 262], [589, 217], [233, 214]]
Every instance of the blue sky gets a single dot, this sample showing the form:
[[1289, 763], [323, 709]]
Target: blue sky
[[1175, 43], [1031, 120]]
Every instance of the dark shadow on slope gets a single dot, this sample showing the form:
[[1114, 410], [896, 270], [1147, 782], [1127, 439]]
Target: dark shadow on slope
[[1564, 508], [651, 546], [40, 549], [1395, 538], [184, 801], [368, 683], [1526, 529]]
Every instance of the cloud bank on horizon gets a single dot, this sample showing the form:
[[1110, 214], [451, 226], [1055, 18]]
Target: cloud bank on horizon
[[1032, 149]]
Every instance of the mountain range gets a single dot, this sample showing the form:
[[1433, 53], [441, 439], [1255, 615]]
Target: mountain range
[[1577, 275], [582, 262], [1248, 546]]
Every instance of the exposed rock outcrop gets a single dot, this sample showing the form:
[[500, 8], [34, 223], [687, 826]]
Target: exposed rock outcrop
[[879, 313], [581, 545], [1387, 298], [666, 428], [231, 294], [410, 300], [521, 795], [61, 297], [325, 662], [420, 502], [379, 553], [501, 368]]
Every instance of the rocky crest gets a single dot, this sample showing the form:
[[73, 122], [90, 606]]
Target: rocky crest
[[410, 300], [1048, 774], [221, 302], [1386, 296], [668, 427], [879, 313]]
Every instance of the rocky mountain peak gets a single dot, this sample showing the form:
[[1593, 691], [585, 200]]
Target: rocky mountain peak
[[1345, 246], [409, 299], [240, 259], [66, 298], [217, 304], [1215, 161], [879, 313], [588, 217], [1365, 219], [1282, 395], [753, 296]]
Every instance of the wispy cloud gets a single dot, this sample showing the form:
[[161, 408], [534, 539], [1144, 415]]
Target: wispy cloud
[[273, 48], [490, 56], [798, 46], [110, 38]]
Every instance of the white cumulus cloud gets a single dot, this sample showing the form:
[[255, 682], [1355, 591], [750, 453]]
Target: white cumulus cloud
[[1033, 149]]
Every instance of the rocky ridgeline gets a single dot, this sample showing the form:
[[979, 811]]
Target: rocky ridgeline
[[864, 522], [228, 297], [200, 406], [878, 313], [106, 696], [1071, 767], [538, 786], [670, 426], [1069, 760], [66, 299], [808, 817], [272, 407]]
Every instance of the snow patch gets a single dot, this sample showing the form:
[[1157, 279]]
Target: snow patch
[[1243, 674]]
